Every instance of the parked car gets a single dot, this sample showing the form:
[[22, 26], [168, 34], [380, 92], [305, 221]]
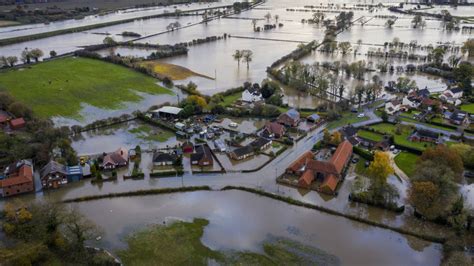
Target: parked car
[[233, 124], [361, 115], [469, 174], [355, 160]]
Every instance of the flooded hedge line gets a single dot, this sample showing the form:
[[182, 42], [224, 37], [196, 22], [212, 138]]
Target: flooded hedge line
[[138, 193], [337, 213]]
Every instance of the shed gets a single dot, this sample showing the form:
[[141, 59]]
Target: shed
[[17, 123], [74, 173], [167, 112]]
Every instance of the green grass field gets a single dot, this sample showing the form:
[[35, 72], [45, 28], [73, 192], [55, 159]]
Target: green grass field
[[180, 244], [347, 118], [468, 108], [232, 98], [370, 135], [402, 139], [58, 87], [406, 161]]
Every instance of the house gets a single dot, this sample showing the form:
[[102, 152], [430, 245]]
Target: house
[[251, 95], [187, 147], [314, 118], [164, 158], [74, 173], [53, 175], [202, 156], [18, 179], [166, 112], [430, 104], [17, 123], [116, 159], [260, 144], [273, 130], [424, 135], [393, 106], [290, 119], [411, 102], [452, 96], [242, 153], [459, 118], [328, 172]]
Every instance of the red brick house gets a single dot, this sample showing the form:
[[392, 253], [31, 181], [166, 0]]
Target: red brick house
[[273, 130], [116, 159], [290, 118], [18, 179], [330, 172], [202, 156]]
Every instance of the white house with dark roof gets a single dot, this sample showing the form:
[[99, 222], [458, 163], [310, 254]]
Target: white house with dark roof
[[393, 106], [452, 96], [251, 95]]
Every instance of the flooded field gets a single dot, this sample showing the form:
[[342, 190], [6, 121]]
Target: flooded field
[[127, 135], [234, 226]]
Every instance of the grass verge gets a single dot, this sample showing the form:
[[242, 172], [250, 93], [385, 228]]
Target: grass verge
[[406, 161]]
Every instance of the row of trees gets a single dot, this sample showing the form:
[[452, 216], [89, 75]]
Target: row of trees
[[26, 57]]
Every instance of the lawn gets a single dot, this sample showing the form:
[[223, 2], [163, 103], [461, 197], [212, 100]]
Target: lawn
[[174, 72], [148, 133], [347, 118], [468, 108], [360, 168], [59, 87], [370, 135], [406, 161], [232, 98], [180, 244], [402, 139]]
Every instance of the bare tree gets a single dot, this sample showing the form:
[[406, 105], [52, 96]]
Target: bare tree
[[268, 16], [237, 56]]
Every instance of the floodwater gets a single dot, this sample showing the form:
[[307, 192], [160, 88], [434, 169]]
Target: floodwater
[[123, 135], [22, 30], [235, 226]]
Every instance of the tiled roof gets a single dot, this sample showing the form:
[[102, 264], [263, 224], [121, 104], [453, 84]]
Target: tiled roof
[[342, 154]]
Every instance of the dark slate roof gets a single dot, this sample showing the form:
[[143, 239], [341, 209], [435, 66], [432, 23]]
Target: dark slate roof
[[458, 116], [259, 143], [456, 90], [163, 157], [424, 92], [243, 151], [202, 151], [427, 133], [53, 167]]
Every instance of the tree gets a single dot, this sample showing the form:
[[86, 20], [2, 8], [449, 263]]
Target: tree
[[326, 136], [468, 47], [405, 84], [466, 152], [438, 55], [109, 41], [336, 138], [463, 74], [442, 155], [380, 168], [12, 60], [237, 56], [276, 17], [52, 53], [345, 47], [268, 16], [198, 100], [318, 16], [26, 56], [254, 24], [78, 229], [247, 56], [418, 21], [36, 54], [389, 23], [454, 60]]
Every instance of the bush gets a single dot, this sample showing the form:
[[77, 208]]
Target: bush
[[363, 153]]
